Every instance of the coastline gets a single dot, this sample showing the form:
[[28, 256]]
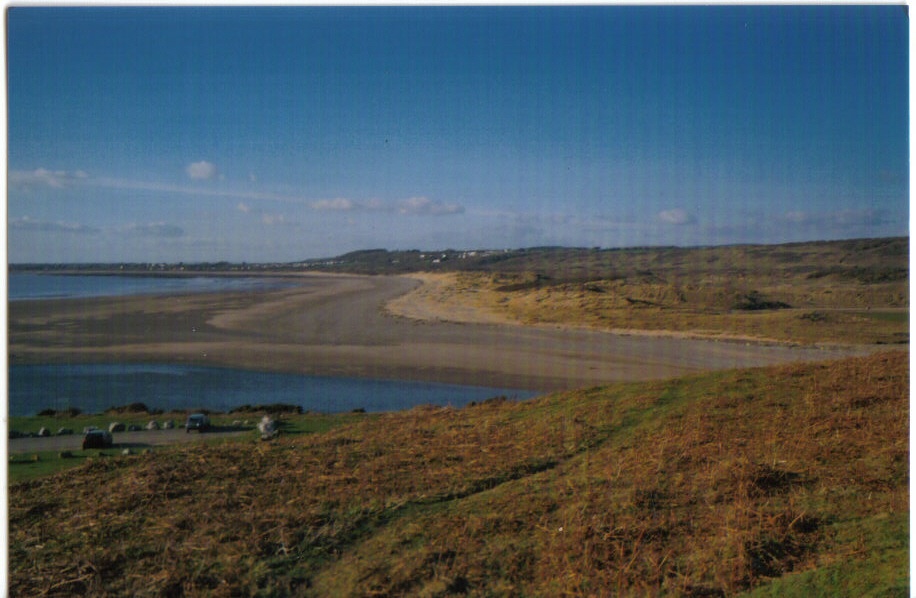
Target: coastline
[[363, 326]]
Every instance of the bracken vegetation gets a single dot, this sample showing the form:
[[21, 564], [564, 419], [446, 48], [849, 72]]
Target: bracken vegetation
[[780, 480]]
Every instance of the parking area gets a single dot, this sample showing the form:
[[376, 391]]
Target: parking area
[[141, 439]]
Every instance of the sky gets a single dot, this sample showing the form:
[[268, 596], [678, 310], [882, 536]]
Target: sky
[[167, 134]]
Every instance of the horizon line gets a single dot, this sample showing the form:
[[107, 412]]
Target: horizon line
[[453, 250]]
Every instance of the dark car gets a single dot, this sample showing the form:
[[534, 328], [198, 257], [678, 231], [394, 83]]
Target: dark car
[[197, 421], [97, 439]]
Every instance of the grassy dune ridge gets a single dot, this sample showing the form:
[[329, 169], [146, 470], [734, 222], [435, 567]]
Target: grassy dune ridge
[[847, 292], [775, 480]]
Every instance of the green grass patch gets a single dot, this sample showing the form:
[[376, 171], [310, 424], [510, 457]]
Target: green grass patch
[[25, 465], [319, 423], [896, 317], [880, 569], [29, 466]]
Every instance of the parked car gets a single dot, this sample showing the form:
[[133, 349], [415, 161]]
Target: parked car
[[197, 421], [97, 439]]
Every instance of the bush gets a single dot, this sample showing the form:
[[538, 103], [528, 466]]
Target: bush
[[68, 412], [754, 301], [131, 408], [814, 316], [269, 408]]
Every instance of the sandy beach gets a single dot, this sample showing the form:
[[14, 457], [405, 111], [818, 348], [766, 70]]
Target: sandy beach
[[341, 325]]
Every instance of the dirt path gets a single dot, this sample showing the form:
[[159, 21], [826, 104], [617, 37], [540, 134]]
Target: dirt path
[[338, 325]]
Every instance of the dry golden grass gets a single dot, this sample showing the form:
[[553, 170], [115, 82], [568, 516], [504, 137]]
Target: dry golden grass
[[820, 311], [707, 485], [848, 292]]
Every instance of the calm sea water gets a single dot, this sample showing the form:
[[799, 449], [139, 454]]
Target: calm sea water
[[95, 388], [50, 286]]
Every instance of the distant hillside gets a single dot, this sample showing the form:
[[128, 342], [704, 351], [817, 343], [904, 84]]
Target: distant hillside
[[867, 260], [859, 259]]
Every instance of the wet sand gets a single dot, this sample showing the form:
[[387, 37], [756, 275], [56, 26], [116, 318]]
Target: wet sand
[[338, 325]]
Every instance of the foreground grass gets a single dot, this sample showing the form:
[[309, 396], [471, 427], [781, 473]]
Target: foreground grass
[[790, 480], [28, 465]]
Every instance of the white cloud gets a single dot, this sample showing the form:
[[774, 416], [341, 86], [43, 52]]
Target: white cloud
[[156, 229], [57, 179], [797, 217], [863, 217], [676, 216], [275, 220], [423, 206], [28, 224], [202, 170], [194, 190], [373, 204], [837, 218], [266, 218], [246, 200], [340, 204], [412, 206]]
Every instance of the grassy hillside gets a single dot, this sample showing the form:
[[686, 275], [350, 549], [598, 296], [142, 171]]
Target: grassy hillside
[[833, 292], [861, 260], [864, 260], [789, 480]]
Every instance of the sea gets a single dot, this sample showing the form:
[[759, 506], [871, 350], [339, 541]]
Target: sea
[[93, 388], [27, 285]]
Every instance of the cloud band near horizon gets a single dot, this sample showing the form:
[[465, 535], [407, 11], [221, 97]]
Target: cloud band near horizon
[[203, 171]]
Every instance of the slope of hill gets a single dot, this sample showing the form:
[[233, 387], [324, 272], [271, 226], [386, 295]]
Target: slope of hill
[[864, 260], [846, 292], [782, 480]]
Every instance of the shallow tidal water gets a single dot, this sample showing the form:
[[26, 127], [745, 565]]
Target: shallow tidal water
[[93, 388], [25, 285]]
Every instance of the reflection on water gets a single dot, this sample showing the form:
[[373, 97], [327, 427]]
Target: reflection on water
[[94, 388]]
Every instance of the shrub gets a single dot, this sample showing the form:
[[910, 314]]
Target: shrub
[[269, 408], [754, 301], [131, 408], [68, 412]]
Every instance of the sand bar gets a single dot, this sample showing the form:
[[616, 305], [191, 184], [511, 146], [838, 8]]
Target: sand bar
[[339, 325]]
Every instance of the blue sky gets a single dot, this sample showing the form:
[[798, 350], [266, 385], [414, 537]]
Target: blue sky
[[278, 134]]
